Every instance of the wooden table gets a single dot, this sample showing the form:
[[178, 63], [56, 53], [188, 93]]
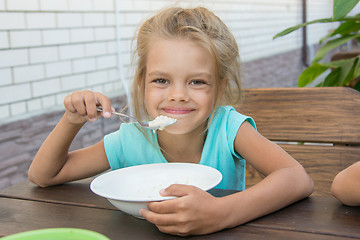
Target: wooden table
[[26, 207]]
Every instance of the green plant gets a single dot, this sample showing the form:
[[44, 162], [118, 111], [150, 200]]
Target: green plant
[[343, 71]]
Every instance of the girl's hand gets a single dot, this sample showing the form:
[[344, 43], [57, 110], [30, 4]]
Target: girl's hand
[[194, 212], [80, 106]]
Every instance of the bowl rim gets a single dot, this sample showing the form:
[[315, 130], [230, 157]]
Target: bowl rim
[[93, 183]]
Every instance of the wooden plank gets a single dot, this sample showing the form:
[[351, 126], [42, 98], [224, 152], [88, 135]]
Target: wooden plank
[[326, 115], [308, 219], [321, 162], [76, 193], [317, 215]]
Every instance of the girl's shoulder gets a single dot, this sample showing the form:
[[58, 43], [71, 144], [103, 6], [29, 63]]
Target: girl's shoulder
[[228, 116]]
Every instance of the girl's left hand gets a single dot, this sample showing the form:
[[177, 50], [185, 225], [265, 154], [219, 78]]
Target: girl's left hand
[[194, 212]]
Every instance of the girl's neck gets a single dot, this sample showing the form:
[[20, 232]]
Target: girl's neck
[[182, 148]]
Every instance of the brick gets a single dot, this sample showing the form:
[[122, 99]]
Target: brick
[[12, 20], [73, 82], [124, 5], [84, 65], [110, 19], [104, 5], [14, 57], [48, 101], [15, 93], [81, 5], [28, 5], [112, 47], [127, 32], [141, 5], [82, 35], [46, 87], [94, 19], [94, 49], [106, 33], [97, 77], [71, 51], [61, 96], [4, 40], [28, 73], [40, 20], [106, 62], [56, 37], [132, 17], [17, 108], [66, 20], [6, 78], [25, 38], [58, 69], [53, 5], [43, 54], [33, 105], [4, 112]]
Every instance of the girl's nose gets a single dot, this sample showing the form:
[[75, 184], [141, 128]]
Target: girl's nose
[[178, 94]]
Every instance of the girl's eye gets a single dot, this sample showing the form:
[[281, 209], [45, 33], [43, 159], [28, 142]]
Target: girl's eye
[[161, 81], [198, 82]]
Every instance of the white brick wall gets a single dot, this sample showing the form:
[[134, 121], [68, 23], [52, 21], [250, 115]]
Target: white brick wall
[[49, 48]]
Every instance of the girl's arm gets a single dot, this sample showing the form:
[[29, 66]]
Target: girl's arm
[[286, 180], [197, 212], [53, 164], [346, 185]]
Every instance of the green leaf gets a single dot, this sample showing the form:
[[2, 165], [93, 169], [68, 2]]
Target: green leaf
[[350, 75], [323, 20], [331, 45], [333, 79], [345, 28], [291, 29], [310, 74], [343, 7], [357, 86], [347, 72]]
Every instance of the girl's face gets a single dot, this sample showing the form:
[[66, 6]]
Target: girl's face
[[180, 83]]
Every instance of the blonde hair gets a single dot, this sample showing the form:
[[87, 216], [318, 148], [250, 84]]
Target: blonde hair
[[199, 25]]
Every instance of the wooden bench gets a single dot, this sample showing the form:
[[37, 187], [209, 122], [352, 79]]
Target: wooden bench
[[319, 127]]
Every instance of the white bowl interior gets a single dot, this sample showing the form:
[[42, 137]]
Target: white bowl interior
[[130, 188]]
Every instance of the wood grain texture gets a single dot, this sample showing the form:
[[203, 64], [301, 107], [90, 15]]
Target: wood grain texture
[[313, 115], [312, 218], [319, 115]]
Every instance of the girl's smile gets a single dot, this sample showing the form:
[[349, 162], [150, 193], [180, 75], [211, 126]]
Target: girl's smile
[[178, 111], [180, 83]]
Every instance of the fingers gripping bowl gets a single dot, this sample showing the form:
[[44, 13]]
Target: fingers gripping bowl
[[130, 189]]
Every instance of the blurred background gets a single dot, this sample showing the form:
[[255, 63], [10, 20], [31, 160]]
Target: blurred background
[[50, 48]]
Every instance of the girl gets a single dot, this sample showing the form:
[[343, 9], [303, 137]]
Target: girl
[[188, 69], [346, 185]]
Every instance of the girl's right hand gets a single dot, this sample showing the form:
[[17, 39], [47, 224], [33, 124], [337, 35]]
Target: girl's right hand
[[80, 106]]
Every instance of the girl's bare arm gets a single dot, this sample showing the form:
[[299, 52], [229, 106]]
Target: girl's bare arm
[[53, 164], [286, 180], [346, 185]]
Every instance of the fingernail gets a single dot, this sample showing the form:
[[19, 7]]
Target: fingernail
[[107, 114], [92, 119]]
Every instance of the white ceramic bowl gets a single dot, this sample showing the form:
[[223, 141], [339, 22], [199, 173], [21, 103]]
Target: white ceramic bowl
[[130, 189]]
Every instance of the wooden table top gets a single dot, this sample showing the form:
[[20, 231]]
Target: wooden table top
[[26, 207]]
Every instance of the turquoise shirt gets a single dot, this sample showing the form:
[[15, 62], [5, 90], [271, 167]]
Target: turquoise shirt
[[129, 147]]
